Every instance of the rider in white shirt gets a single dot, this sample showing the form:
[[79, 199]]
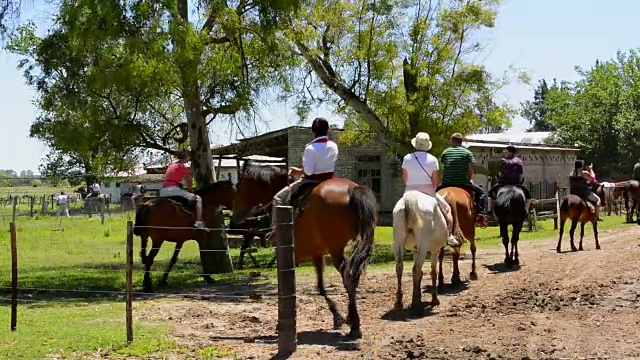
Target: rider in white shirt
[[318, 163], [421, 172], [63, 204]]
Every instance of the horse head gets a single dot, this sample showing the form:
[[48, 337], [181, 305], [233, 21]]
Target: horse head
[[220, 193], [257, 186]]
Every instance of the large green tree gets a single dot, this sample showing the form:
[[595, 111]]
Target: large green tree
[[127, 59], [536, 111], [402, 67], [600, 113]]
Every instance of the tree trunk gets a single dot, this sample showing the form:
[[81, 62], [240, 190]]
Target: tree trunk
[[213, 262]]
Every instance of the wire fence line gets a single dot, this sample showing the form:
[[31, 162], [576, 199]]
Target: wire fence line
[[73, 256]]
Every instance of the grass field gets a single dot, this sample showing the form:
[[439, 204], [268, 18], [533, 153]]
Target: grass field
[[89, 256]]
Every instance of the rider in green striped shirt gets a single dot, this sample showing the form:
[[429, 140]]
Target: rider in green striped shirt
[[457, 162]]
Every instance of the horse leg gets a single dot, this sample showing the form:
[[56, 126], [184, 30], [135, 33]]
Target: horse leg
[[595, 234], [472, 246], [246, 242], [174, 258], [581, 236], [455, 278], [562, 222], [143, 247], [440, 274], [399, 257], [147, 282], [419, 257], [338, 320], [504, 233], [572, 231], [515, 237], [434, 274]]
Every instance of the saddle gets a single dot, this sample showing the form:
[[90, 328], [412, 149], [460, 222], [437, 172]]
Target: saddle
[[300, 197]]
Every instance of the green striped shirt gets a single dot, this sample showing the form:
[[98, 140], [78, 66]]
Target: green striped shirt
[[455, 165]]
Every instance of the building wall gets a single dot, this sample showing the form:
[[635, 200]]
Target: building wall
[[540, 166]]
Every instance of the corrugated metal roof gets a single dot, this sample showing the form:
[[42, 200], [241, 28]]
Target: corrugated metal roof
[[535, 138], [502, 145]]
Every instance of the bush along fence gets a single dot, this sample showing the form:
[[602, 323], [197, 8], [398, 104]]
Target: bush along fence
[[286, 294]]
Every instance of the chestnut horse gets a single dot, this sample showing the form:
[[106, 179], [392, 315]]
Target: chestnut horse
[[574, 208], [464, 214], [155, 216], [338, 211]]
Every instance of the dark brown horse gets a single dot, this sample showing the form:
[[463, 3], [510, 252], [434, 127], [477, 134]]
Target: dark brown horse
[[155, 217], [464, 214], [579, 211], [338, 211], [632, 194]]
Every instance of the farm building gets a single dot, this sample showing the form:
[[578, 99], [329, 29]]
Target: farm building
[[120, 188], [371, 164]]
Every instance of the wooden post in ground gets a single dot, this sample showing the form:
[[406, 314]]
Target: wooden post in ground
[[14, 277], [15, 207], [32, 200], [102, 211], [129, 283], [287, 338]]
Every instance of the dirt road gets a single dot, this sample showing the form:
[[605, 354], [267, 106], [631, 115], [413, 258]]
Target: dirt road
[[583, 305]]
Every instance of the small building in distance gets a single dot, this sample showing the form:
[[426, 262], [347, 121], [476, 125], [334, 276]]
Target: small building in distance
[[546, 166]]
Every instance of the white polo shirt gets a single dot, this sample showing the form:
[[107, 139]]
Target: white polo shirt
[[420, 175], [320, 156]]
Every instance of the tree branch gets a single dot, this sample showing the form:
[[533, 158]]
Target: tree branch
[[349, 97]]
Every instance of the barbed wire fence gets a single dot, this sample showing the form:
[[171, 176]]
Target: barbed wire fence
[[87, 264]]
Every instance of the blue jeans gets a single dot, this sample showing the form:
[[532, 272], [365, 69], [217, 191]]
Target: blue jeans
[[480, 195]]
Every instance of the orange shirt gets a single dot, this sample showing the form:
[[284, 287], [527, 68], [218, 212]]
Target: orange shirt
[[175, 173]]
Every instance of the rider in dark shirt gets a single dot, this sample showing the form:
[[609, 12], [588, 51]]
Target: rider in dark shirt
[[579, 180], [511, 173]]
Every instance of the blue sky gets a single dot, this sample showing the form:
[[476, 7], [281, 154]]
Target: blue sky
[[546, 38]]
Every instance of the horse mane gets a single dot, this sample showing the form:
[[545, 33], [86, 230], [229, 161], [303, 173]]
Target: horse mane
[[265, 173], [212, 187]]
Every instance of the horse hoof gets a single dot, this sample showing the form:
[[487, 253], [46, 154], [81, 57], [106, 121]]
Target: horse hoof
[[435, 302], [580, 248], [163, 283], [598, 247], [516, 261], [398, 305], [355, 334], [338, 322], [456, 281], [574, 249], [473, 275], [417, 309], [558, 250], [208, 279]]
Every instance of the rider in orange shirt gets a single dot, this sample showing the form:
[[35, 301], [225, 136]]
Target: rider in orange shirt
[[172, 186]]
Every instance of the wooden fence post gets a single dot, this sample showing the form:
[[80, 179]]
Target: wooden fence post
[[287, 337], [32, 200], [129, 283], [102, 211], [15, 207], [14, 277]]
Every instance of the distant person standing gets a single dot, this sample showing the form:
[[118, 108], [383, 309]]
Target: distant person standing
[[63, 204], [137, 192], [95, 190]]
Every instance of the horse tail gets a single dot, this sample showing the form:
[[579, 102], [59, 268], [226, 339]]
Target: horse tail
[[564, 205], [411, 212], [363, 202], [456, 224], [141, 219]]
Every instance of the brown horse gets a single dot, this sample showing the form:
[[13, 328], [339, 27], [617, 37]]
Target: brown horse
[[632, 192], [574, 208], [338, 211], [154, 217], [464, 214]]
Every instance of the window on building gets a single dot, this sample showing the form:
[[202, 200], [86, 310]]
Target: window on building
[[369, 172]]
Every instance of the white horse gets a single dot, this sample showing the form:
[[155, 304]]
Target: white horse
[[608, 189], [418, 225]]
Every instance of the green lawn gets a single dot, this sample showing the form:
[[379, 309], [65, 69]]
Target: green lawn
[[90, 256]]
